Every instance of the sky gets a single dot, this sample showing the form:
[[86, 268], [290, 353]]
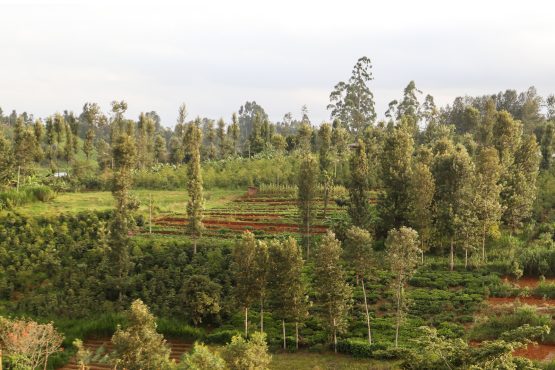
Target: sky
[[215, 55]]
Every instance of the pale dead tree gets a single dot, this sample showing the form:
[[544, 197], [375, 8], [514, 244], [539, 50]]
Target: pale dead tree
[[28, 344]]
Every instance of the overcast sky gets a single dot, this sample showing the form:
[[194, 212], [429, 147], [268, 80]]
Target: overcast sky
[[215, 55]]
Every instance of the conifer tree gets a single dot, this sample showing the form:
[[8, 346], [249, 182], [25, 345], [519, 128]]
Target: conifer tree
[[233, 132], [333, 294], [195, 203], [124, 154], [402, 254], [220, 133], [307, 181]]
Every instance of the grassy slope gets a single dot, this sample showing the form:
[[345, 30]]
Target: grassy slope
[[164, 201], [309, 361]]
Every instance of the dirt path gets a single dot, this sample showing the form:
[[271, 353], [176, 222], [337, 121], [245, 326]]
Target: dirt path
[[527, 282], [532, 301], [538, 352]]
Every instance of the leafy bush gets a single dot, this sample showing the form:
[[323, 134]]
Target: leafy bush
[[497, 324], [29, 194], [221, 336], [359, 348]]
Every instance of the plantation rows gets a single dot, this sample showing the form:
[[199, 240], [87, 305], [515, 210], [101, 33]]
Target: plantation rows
[[264, 213]]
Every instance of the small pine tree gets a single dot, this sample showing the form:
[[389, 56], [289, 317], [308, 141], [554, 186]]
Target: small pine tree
[[139, 346], [195, 203]]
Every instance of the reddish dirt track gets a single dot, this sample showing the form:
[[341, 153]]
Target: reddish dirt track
[[533, 301], [539, 352], [526, 282], [245, 215], [242, 225]]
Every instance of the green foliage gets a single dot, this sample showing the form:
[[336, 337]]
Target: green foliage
[[332, 292], [241, 354], [33, 193], [201, 297], [139, 346], [201, 358], [359, 348], [495, 325], [359, 208]]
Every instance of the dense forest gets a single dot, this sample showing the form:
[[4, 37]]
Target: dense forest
[[424, 239]]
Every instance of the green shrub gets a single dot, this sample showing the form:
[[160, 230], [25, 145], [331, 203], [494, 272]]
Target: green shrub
[[175, 329], [359, 348], [221, 336], [497, 324]]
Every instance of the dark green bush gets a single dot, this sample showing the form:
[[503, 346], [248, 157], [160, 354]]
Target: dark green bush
[[359, 348], [221, 336]]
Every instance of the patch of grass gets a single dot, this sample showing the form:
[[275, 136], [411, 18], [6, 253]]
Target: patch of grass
[[305, 360], [164, 201]]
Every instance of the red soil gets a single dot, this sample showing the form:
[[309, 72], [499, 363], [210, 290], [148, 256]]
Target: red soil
[[539, 352], [526, 282], [533, 301], [245, 215]]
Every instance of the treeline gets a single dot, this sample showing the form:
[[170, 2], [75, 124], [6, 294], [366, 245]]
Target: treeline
[[82, 143]]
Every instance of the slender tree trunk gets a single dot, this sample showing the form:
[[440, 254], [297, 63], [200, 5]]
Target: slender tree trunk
[[465, 258], [422, 250], [484, 243], [296, 336], [366, 309], [1, 359], [246, 322], [194, 245], [283, 330], [398, 323], [262, 315], [452, 256], [326, 195], [334, 336], [150, 215], [45, 362], [18, 174], [308, 233]]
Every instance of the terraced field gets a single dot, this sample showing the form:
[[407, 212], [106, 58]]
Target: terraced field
[[178, 348], [261, 213]]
